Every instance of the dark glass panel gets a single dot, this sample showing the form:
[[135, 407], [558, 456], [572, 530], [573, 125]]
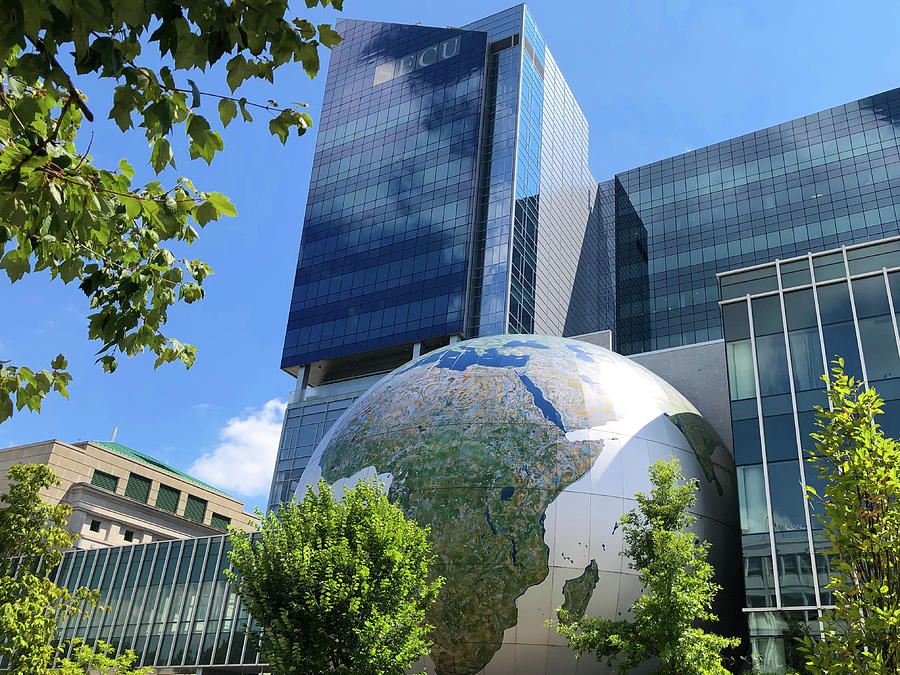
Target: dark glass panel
[[747, 447], [795, 273], [767, 315], [787, 496], [840, 341], [772, 365], [870, 297], [800, 309], [827, 267], [737, 321], [781, 442], [834, 303]]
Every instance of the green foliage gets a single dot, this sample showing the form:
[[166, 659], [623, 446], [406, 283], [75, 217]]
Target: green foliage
[[92, 225], [860, 512], [337, 586], [85, 660], [32, 535], [678, 583], [28, 387]]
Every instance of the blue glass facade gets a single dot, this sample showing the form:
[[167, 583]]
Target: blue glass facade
[[450, 166], [811, 184], [384, 256], [783, 323]]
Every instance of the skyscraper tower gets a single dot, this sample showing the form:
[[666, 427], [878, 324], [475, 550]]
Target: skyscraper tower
[[448, 163]]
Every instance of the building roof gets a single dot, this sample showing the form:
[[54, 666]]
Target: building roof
[[156, 464]]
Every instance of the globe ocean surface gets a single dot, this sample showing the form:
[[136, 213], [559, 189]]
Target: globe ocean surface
[[521, 453]]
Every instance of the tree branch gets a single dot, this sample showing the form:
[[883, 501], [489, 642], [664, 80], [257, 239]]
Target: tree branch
[[73, 91]]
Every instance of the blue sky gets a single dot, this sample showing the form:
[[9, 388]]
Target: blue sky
[[654, 79]]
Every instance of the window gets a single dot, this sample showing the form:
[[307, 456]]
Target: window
[[95, 526], [167, 499], [195, 508], [104, 480], [219, 521], [129, 535], [138, 488]]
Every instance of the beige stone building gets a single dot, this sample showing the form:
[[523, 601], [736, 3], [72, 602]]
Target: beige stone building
[[120, 496]]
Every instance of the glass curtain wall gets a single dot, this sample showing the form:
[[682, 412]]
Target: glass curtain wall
[[168, 601], [783, 323]]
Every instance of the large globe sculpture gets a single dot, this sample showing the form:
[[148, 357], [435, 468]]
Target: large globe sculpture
[[521, 453]]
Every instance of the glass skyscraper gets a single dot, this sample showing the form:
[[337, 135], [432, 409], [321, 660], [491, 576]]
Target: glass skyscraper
[[450, 197]]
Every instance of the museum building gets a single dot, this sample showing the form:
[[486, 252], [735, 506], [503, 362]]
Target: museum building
[[451, 199]]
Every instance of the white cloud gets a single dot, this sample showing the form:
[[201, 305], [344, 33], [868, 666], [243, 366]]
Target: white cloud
[[244, 460]]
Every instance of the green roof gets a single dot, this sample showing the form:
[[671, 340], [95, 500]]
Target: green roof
[[155, 463]]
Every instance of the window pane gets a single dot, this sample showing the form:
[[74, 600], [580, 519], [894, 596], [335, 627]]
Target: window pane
[[781, 442], [806, 358], [870, 297], [752, 497], [787, 496], [772, 361], [740, 370], [840, 340], [879, 347], [759, 581], [834, 303], [747, 448], [794, 569], [736, 320], [766, 315], [800, 309]]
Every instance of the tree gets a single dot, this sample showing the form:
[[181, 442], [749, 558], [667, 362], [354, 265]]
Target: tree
[[100, 662], [337, 586], [860, 513], [679, 589], [88, 224], [32, 536]]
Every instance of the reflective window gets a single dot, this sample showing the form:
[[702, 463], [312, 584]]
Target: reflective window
[[787, 496], [772, 365], [806, 359], [747, 447], [780, 437], [741, 382], [752, 488]]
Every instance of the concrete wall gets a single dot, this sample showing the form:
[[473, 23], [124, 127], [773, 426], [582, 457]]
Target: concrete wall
[[698, 371]]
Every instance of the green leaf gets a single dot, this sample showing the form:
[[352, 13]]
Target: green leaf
[[161, 155], [205, 212], [227, 111], [222, 204], [126, 168], [328, 37], [195, 94], [59, 362]]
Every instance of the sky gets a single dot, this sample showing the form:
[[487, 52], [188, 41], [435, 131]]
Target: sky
[[654, 79]]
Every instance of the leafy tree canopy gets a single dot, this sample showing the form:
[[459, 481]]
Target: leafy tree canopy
[[860, 514], [678, 583], [32, 536], [337, 586], [93, 225]]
